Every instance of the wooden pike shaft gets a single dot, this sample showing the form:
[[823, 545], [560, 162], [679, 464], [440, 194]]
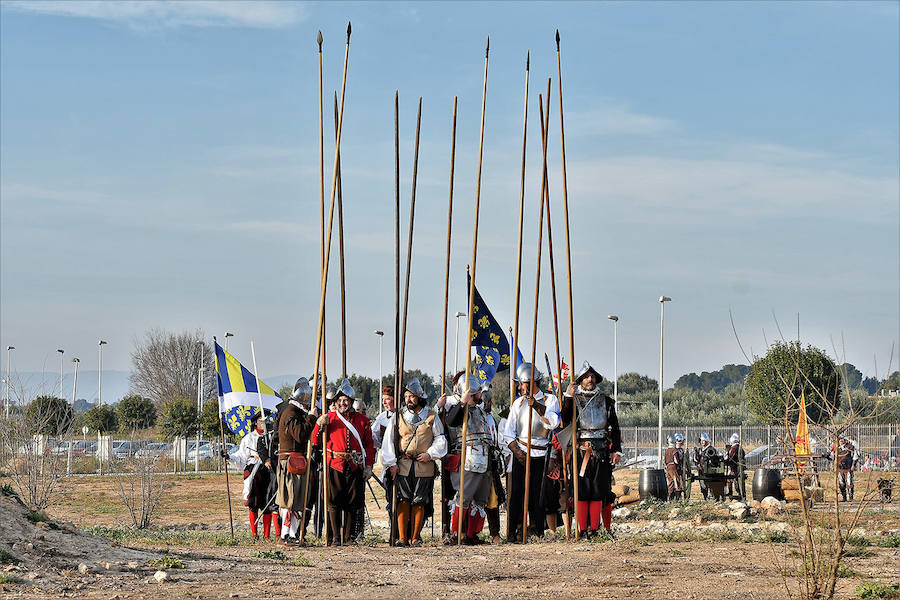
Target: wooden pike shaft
[[324, 283], [397, 374], [515, 332], [409, 242], [465, 428], [562, 141], [340, 207], [225, 465], [537, 289], [446, 526]]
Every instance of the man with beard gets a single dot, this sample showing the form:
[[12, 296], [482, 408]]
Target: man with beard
[[421, 442], [469, 510], [543, 492], [349, 456], [598, 441], [295, 423]]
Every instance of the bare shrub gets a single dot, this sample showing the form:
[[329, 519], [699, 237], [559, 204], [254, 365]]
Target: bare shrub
[[142, 481]]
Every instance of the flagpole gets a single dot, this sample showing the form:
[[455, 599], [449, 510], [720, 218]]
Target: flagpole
[[513, 353], [462, 464], [562, 141], [340, 207], [393, 512], [444, 526], [256, 375], [224, 460], [537, 289]]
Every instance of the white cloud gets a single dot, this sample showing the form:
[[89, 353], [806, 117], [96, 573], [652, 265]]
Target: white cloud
[[169, 13], [616, 120]]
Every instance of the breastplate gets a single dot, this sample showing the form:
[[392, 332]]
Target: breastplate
[[479, 428], [592, 415], [539, 431]]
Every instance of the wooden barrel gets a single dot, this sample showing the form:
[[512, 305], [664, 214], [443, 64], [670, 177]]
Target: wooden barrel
[[652, 484], [766, 482]]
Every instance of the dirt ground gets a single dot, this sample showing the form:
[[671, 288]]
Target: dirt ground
[[633, 565]]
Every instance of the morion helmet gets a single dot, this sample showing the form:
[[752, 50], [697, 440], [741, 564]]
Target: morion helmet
[[523, 373], [414, 387], [584, 370], [302, 391]]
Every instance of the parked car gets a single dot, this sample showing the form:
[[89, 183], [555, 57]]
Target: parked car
[[149, 449], [122, 449]]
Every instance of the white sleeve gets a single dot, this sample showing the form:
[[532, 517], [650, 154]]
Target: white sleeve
[[376, 430], [388, 456], [242, 455], [438, 448], [551, 412], [508, 432]]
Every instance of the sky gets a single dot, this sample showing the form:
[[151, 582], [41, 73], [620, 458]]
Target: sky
[[159, 167]]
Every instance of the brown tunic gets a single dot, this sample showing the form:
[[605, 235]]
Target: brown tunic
[[414, 440], [294, 427]]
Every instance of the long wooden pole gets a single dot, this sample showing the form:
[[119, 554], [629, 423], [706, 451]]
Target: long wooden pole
[[340, 208], [393, 512], [462, 463], [444, 526], [545, 131], [537, 289], [225, 464], [513, 354], [562, 140], [324, 282]]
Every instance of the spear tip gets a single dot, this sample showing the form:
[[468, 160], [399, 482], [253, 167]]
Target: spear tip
[[319, 40], [487, 48], [528, 61], [557, 40], [349, 29]]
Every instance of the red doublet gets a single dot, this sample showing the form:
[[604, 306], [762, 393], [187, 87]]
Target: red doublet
[[340, 442]]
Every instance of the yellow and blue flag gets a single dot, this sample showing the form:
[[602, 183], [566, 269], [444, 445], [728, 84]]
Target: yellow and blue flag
[[239, 397], [491, 345]]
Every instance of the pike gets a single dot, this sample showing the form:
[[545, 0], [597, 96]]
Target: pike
[[515, 333], [444, 526], [393, 534], [327, 251], [409, 247], [562, 140], [224, 461], [537, 289], [340, 206], [462, 461]]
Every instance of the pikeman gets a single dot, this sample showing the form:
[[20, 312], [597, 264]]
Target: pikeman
[[422, 442], [735, 462], [295, 423], [497, 469], [471, 508], [673, 460], [543, 492], [599, 444], [349, 456]]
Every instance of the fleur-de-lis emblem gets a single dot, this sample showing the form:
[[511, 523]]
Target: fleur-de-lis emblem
[[481, 374], [490, 359], [475, 308], [474, 335], [504, 360], [484, 322], [494, 338]]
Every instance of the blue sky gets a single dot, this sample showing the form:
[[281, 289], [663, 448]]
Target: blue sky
[[159, 167]]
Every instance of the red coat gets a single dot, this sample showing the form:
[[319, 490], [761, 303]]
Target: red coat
[[339, 439]]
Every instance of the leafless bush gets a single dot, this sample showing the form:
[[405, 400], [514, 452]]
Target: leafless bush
[[165, 365], [142, 481]]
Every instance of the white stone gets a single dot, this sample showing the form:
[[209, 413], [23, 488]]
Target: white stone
[[160, 576], [84, 569], [621, 513], [770, 501]]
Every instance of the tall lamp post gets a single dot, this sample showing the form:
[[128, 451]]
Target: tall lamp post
[[75, 361], [199, 407], [662, 316], [8, 348], [61, 353], [228, 334], [615, 320], [100, 345], [456, 350], [380, 335]]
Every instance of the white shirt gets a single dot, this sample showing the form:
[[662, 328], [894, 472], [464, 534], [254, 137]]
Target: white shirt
[[517, 413], [438, 447], [246, 453], [382, 420]]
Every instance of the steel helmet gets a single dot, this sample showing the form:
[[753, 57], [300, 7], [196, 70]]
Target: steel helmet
[[670, 440], [345, 389], [734, 439], [486, 393], [462, 387], [704, 437], [414, 387], [302, 391], [679, 439], [584, 370], [523, 373]]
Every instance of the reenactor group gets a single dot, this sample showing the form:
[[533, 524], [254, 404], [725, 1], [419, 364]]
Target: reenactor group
[[309, 451]]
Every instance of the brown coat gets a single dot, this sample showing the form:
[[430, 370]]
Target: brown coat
[[414, 440], [294, 427]]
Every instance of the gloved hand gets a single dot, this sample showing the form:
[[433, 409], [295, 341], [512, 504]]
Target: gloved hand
[[519, 454], [322, 421], [367, 473]]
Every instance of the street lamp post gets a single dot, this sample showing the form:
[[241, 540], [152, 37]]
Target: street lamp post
[[61, 353], [615, 320], [228, 334], [380, 335], [456, 350], [199, 408], [8, 348], [100, 345], [662, 316], [75, 361]]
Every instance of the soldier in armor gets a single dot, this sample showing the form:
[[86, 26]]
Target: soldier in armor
[[598, 441], [708, 461], [256, 476], [295, 423], [735, 462], [470, 510], [497, 469], [349, 455], [543, 493], [686, 475], [411, 460], [846, 458], [673, 459]]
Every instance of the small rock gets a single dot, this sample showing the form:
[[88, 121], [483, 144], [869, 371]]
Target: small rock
[[740, 512], [673, 513], [640, 576], [133, 565], [160, 576], [233, 595], [84, 569], [769, 501], [621, 513], [106, 565]]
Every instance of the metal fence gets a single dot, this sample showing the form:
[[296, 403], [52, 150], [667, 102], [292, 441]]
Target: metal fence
[[878, 445]]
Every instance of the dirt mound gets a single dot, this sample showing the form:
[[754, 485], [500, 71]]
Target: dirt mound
[[56, 553]]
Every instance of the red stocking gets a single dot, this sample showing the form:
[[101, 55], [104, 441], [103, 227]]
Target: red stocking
[[596, 508], [454, 521], [253, 530], [607, 515], [474, 525], [276, 525], [267, 524], [583, 515]]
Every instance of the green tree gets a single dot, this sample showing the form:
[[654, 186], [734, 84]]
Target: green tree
[[209, 419], [49, 415], [634, 383], [713, 381], [102, 418], [891, 383], [179, 418], [851, 377], [787, 371], [136, 412]]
